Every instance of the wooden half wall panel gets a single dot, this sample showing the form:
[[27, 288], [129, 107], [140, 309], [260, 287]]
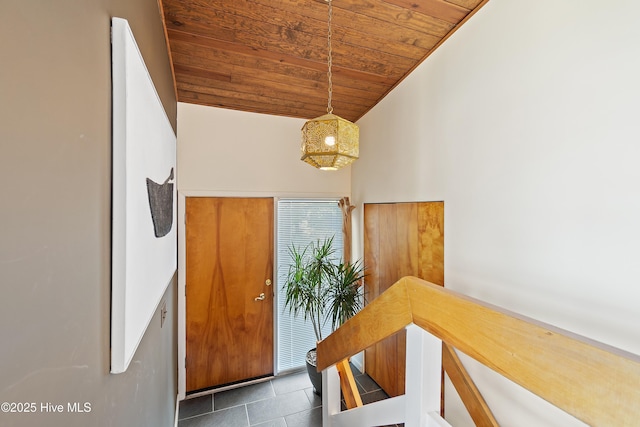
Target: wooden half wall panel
[[400, 239]]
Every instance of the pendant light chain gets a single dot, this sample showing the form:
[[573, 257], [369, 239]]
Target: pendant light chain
[[329, 142], [330, 62]]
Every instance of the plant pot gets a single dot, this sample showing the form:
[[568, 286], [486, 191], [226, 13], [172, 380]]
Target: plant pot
[[314, 375]]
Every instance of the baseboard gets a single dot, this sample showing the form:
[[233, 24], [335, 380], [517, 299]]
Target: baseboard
[[175, 422]]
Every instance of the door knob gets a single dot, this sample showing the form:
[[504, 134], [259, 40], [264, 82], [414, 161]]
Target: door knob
[[260, 297]]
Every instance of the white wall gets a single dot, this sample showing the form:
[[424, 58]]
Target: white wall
[[234, 152], [525, 123]]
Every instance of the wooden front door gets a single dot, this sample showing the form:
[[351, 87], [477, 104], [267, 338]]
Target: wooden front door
[[400, 239], [229, 297]]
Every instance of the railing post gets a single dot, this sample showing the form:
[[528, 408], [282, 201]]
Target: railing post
[[423, 376], [330, 395]]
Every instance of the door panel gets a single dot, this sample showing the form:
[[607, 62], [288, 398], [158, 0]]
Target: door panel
[[229, 259], [431, 242], [400, 239]]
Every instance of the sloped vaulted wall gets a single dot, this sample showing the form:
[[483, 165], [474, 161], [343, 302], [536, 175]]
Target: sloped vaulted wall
[[525, 123]]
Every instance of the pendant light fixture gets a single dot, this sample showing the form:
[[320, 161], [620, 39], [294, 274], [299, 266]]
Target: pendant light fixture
[[329, 142]]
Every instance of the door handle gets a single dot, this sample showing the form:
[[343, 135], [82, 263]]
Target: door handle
[[260, 297]]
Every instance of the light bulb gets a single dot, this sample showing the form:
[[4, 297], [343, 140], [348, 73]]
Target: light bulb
[[330, 140]]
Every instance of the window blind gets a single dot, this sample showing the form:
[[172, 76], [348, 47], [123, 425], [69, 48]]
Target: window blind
[[301, 222]]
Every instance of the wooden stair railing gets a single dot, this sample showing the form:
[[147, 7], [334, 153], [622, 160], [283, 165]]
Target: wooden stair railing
[[469, 394], [350, 393], [596, 383]]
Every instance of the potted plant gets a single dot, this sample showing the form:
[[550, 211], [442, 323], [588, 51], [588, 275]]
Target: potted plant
[[323, 288]]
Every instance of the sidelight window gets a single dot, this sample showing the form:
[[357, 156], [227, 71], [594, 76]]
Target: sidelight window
[[300, 222]]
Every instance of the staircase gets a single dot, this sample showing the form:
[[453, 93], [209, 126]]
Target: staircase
[[596, 383]]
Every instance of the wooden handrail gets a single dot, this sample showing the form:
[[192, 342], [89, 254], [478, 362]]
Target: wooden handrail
[[596, 383]]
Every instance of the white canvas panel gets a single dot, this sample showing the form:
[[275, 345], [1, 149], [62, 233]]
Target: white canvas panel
[[144, 254]]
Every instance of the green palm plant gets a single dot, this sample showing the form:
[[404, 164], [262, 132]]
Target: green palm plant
[[321, 288]]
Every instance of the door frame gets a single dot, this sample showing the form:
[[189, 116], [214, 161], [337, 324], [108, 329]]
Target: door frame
[[182, 258]]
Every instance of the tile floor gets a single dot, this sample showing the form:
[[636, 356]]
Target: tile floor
[[285, 401]]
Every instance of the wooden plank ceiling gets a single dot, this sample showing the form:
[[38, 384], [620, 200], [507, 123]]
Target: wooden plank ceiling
[[270, 56]]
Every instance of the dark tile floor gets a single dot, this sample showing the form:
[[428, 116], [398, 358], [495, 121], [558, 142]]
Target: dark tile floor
[[284, 401]]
